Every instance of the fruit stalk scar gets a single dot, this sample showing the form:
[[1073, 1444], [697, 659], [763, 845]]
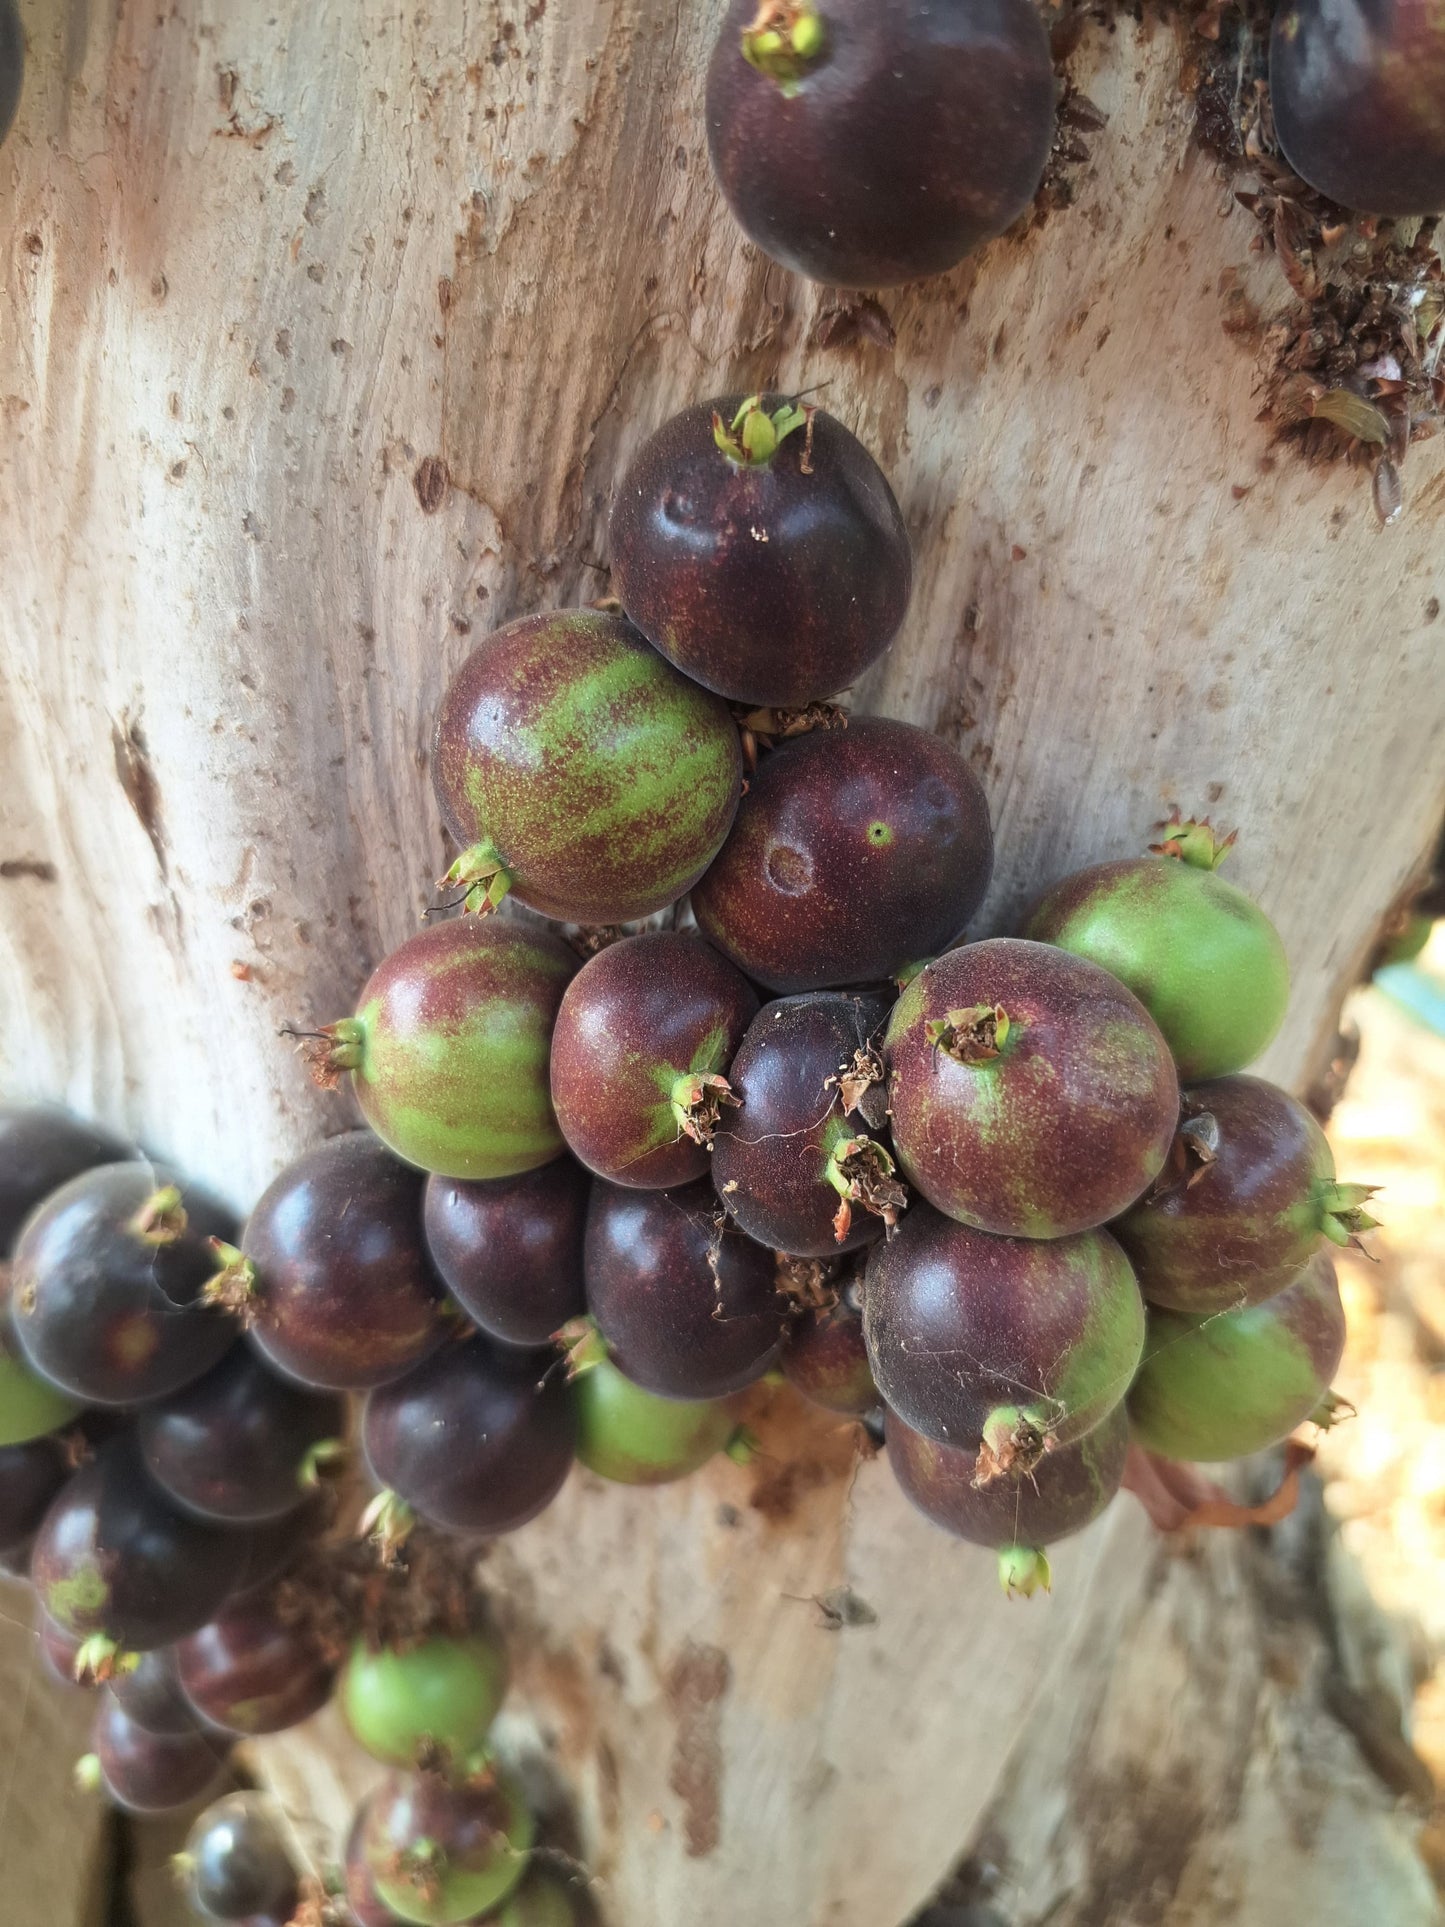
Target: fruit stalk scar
[[862, 1172], [973, 1036], [480, 871], [698, 1098], [785, 40]]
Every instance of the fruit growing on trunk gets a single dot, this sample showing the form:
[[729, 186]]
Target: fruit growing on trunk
[[798, 1166], [240, 1443], [757, 544], [1020, 1515], [149, 1772], [247, 1671], [116, 1564], [1031, 1093], [150, 1696], [1241, 1206], [440, 1853], [509, 1250], [332, 1276], [687, 1305], [477, 1440], [1358, 93], [107, 1282], [431, 1702], [448, 1048], [1203, 958], [235, 1861], [867, 142], [1007, 1347], [634, 1437], [855, 853], [1223, 1386], [41, 1146], [825, 1354], [578, 769], [644, 1037]]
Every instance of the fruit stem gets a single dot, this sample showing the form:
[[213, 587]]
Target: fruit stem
[[1023, 1571], [753, 436], [973, 1036], [785, 41], [1015, 1438], [233, 1288], [1343, 1218], [161, 1219], [1196, 843], [862, 1171], [480, 871], [698, 1098]]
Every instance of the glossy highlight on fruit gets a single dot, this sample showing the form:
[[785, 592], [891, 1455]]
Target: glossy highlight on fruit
[[236, 1864], [579, 770], [633, 1437], [333, 1275], [687, 1305], [774, 571], [644, 1037], [1032, 1095], [1223, 1386], [107, 1285], [1200, 955], [438, 1853], [42, 1146], [427, 1702], [868, 142], [855, 853], [448, 1048], [509, 1250], [152, 1772], [247, 1671], [825, 1355], [1006, 1347], [1357, 89]]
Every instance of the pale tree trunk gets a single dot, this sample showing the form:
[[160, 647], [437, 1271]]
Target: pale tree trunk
[[325, 332]]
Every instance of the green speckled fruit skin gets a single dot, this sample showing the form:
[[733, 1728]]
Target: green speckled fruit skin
[[457, 1031], [960, 1324], [482, 1835], [604, 779], [1064, 1129], [1222, 1387], [1244, 1226], [443, 1694], [636, 1438], [1202, 957], [1064, 1492]]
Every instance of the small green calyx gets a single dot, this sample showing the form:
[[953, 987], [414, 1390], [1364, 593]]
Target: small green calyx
[[1023, 1571], [862, 1172], [785, 41], [161, 1219], [99, 1659], [1015, 1438], [743, 1447], [1343, 1218], [480, 872], [1196, 844], [233, 1287], [327, 1456], [584, 1346], [698, 1101], [1333, 1409], [973, 1036], [753, 436], [87, 1774], [330, 1052], [388, 1523]]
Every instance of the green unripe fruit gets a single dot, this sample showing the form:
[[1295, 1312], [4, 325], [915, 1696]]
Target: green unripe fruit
[[438, 1698], [635, 1438]]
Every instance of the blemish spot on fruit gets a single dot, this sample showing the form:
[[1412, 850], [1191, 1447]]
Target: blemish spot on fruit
[[880, 835], [789, 870]]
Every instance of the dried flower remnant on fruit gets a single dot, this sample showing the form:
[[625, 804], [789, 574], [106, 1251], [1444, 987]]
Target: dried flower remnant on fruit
[[162, 1219], [862, 1172], [753, 436], [973, 1036], [862, 1088], [1196, 843], [698, 1101], [785, 40], [1013, 1443]]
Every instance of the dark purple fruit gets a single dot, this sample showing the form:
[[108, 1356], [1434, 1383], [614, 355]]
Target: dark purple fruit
[[1241, 1206], [867, 142], [1008, 1347], [1064, 1492], [335, 1278], [1358, 93], [825, 1357], [688, 1305], [359, 1888], [150, 1772], [236, 1863], [108, 1281], [116, 1561], [150, 1696], [41, 1146], [509, 1250], [793, 1163], [644, 1038], [250, 1672], [477, 1440], [855, 854], [30, 1476], [236, 1445], [578, 769], [758, 545], [273, 1547], [1032, 1095], [440, 1853]]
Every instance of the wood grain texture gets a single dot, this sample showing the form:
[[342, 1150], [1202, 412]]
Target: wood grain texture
[[328, 330]]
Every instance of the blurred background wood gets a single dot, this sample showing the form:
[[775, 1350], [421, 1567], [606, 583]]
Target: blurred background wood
[[328, 330]]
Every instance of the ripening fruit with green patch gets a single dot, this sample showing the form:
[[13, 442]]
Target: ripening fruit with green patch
[[1031, 1093], [440, 1853], [632, 1436], [1200, 955], [1021, 1514], [448, 1050], [1222, 1386], [577, 769], [432, 1702], [1242, 1205]]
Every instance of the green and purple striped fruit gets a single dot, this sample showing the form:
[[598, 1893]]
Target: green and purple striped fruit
[[1008, 1347], [440, 1853], [1241, 1206], [1223, 1386], [1063, 1493], [448, 1050], [634, 1437], [1201, 956], [1031, 1093], [579, 770]]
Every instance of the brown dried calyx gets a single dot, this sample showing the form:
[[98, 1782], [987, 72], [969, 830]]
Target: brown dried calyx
[[1014, 1440], [861, 1088], [1194, 1149], [862, 1172], [231, 1288], [808, 1284], [973, 1036], [698, 1101]]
